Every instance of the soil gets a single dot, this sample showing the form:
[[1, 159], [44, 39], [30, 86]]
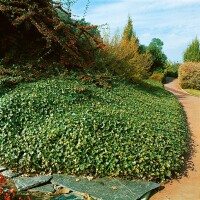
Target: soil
[[188, 186]]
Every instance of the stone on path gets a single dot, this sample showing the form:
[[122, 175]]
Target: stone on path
[[44, 188], [24, 183], [10, 174], [106, 188]]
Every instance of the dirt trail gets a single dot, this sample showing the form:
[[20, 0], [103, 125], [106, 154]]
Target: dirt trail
[[188, 187]]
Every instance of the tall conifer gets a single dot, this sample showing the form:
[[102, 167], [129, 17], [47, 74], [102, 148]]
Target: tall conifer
[[128, 30], [192, 53]]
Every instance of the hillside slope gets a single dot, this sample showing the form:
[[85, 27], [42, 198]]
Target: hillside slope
[[78, 128]]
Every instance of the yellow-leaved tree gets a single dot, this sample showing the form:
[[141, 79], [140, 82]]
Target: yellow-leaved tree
[[125, 56]]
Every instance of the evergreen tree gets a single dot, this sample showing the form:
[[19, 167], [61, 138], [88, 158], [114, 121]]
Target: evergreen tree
[[159, 58], [192, 53], [128, 31], [129, 41]]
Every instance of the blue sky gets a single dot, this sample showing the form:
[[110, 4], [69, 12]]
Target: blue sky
[[175, 22]]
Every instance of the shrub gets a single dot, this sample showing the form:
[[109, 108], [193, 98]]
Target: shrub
[[189, 75], [157, 76], [75, 127]]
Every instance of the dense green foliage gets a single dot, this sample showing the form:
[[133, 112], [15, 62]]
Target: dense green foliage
[[189, 75], [171, 69], [159, 58], [192, 53], [72, 126]]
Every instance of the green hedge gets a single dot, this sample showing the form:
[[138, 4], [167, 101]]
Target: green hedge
[[59, 125]]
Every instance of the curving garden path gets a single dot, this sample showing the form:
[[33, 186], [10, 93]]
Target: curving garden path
[[188, 187]]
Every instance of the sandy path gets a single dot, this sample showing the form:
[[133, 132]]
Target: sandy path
[[188, 187]]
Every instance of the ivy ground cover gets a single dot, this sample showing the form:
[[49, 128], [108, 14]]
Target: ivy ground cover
[[63, 125]]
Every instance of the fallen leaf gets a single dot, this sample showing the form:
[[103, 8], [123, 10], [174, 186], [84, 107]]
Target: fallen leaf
[[62, 191], [89, 178], [114, 187]]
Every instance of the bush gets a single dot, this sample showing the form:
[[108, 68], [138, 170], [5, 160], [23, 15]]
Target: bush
[[157, 76], [75, 127], [189, 75]]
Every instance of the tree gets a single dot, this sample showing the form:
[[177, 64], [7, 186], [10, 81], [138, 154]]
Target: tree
[[35, 28], [158, 57], [142, 48], [126, 58], [128, 30], [192, 53]]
